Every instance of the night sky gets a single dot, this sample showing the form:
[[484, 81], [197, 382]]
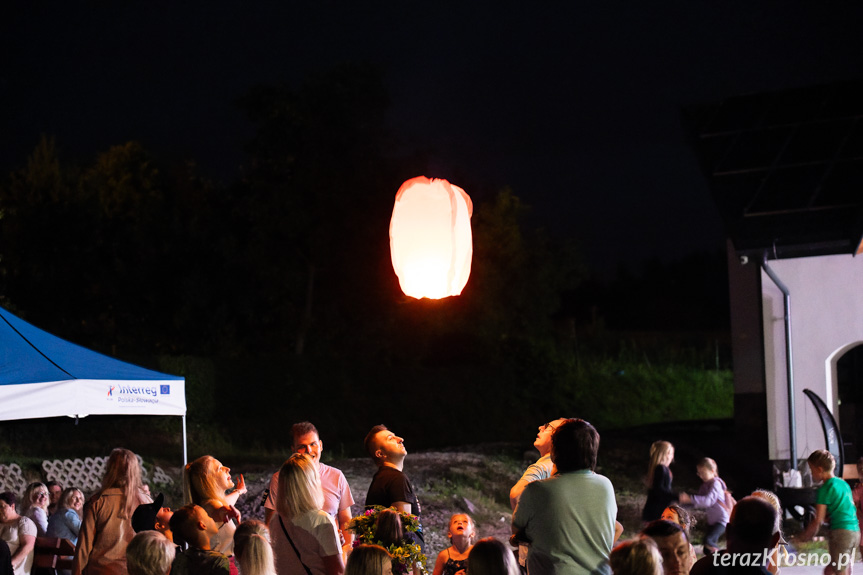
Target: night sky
[[576, 105]]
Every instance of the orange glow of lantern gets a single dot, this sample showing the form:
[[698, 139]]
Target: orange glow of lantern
[[430, 238]]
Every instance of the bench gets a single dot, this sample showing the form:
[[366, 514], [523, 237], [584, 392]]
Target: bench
[[52, 554]]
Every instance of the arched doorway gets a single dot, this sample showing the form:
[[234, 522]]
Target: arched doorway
[[849, 388]]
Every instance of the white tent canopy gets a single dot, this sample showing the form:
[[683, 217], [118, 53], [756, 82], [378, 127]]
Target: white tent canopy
[[42, 375]]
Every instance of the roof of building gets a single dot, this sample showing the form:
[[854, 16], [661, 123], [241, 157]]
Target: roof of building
[[786, 168]]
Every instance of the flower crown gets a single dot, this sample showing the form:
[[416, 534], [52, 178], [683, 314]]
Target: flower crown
[[406, 553]]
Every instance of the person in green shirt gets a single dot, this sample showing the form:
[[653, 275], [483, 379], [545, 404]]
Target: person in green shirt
[[833, 501]]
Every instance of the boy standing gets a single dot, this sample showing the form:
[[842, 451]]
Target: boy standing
[[833, 500], [192, 525]]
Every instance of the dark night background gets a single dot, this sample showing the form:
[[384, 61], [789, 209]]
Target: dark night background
[[214, 179]]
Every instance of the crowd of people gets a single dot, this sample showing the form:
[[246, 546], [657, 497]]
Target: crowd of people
[[46, 510], [752, 526], [564, 519]]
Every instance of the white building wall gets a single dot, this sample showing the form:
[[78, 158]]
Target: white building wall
[[826, 320]]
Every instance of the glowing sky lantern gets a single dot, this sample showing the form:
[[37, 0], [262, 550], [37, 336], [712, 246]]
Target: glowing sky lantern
[[430, 238]]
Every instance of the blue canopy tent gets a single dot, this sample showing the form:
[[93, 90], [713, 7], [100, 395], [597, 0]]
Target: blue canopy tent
[[42, 375]]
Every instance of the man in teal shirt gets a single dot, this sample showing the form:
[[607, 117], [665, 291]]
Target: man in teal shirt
[[570, 519]]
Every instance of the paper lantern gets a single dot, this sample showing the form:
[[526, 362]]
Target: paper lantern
[[430, 238]]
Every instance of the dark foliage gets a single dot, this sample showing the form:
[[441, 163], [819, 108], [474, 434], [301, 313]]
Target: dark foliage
[[275, 297]]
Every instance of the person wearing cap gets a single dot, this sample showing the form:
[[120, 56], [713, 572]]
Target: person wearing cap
[[153, 517]]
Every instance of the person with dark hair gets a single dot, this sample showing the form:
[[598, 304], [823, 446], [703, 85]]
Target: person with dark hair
[[677, 514], [779, 553], [751, 536], [542, 469], [153, 517], [857, 497], [390, 487], [192, 525], [18, 532], [5, 559], [491, 557], [337, 493], [391, 533], [369, 560], [388, 528], [55, 493], [673, 544], [569, 519]]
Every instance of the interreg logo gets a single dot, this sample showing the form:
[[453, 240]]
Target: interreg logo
[[110, 391], [130, 394]]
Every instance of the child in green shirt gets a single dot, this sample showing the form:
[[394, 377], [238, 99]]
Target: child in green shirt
[[833, 500]]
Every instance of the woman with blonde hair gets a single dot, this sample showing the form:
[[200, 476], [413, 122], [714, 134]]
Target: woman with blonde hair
[[65, 523], [658, 480], [779, 554], [369, 560], [206, 483], [636, 557], [106, 529], [150, 553], [36, 499], [252, 549], [305, 538]]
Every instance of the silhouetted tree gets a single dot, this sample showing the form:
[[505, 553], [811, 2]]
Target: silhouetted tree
[[317, 194]]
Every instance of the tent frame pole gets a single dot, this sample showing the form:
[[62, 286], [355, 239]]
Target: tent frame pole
[[185, 454]]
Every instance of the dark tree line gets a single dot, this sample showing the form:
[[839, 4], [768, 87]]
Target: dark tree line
[[275, 291], [130, 255]]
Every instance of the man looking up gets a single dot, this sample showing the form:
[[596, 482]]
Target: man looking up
[[193, 526], [390, 487], [542, 469], [543, 466], [337, 493], [570, 518]]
